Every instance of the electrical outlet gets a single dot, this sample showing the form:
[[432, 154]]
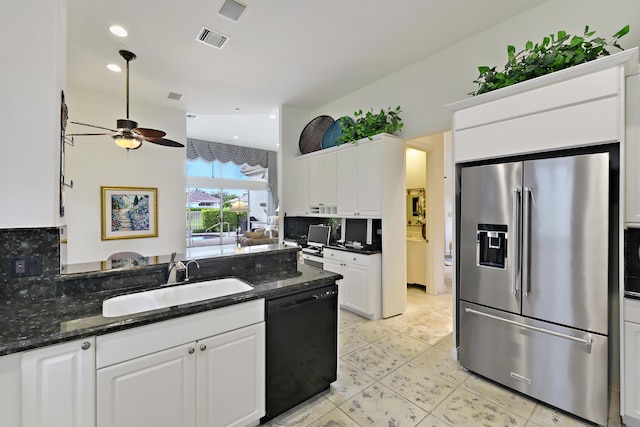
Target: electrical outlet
[[26, 266]]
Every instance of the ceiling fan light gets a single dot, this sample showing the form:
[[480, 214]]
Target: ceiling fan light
[[127, 141]]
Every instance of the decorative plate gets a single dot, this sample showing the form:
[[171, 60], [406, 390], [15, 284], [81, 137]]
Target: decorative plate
[[332, 134], [311, 136]]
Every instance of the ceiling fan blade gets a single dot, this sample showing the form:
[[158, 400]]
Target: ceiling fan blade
[[165, 142], [149, 133], [93, 126], [87, 134]]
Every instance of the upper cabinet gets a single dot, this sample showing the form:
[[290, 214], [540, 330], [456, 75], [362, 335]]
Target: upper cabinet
[[345, 181], [322, 183], [632, 157], [360, 179]]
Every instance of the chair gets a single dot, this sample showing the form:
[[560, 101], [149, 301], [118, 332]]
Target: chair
[[123, 255]]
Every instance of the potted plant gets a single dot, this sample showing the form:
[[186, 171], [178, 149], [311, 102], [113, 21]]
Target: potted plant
[[365, 125], [555, 53]]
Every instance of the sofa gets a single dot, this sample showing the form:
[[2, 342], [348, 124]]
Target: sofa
[[261, 236]]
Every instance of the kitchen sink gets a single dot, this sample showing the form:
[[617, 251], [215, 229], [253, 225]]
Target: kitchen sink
[[171, 296]]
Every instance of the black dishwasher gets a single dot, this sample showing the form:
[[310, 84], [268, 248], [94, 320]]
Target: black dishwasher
[[302, 347]]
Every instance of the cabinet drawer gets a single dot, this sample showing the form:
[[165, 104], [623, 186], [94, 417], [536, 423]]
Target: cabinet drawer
[[125, 345], [358, 259], [333, 254], [632, 310]]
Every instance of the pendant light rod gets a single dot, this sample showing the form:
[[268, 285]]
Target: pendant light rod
[[128, 56]]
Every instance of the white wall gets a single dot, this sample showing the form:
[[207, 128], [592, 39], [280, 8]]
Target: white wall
[[423, 89], [96, 161], [33, 72]]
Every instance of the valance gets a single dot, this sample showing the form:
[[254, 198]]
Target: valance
[[212, 151]]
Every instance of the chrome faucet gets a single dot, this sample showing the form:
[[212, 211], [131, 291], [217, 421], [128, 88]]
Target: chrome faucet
[[173, 268], [186, 274]]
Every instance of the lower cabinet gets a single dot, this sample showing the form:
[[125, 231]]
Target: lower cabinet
[[58, 385], [155, 390], [360, 289], [231, 378], [213, 381], [631, 391]]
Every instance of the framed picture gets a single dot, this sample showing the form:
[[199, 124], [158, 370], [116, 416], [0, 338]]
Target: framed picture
[[129, 212]]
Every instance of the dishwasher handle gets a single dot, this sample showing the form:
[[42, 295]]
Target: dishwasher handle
[[302, 298]]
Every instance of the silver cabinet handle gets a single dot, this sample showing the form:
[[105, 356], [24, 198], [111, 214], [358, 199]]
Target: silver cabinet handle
[[191, 350], [203, 347], [515, 238], [526, 225], [86, 345], [587, 340]]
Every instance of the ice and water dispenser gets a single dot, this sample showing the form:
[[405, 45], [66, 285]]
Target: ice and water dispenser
[[491, 245]]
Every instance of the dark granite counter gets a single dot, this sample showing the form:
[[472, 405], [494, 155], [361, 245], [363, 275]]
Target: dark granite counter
[[363, 250], [76, 310]]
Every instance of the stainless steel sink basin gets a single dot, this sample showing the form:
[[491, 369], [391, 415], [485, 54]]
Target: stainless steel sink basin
[[170, 296]]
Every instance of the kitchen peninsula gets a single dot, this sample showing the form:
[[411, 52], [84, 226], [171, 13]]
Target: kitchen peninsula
[[66, 338]]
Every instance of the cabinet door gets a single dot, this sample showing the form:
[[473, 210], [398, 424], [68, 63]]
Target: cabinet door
[[155, 390], [336, 267], [302, 186], [370, 182], [58, 386], [231, 378], [347, 181], [632, 371], [356, 289], [632, 155], [322, 180]]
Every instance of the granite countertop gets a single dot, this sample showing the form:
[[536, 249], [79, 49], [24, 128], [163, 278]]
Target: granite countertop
[[26, 325]]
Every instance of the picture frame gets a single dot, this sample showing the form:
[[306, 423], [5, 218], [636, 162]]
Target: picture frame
[[129, 212]]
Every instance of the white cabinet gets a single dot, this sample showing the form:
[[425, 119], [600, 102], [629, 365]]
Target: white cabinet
[[631, 378], [347, 177], [302, 186], [322, 183], [58, 385], [335, 266], [359, 175], [156, 390], [370, 176], [360, 287], [417, 264], [632, 156], [10, 390], [231, 378], [203, 370]]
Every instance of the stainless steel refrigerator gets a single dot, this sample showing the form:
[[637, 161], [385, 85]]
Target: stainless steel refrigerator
[[534, 278]]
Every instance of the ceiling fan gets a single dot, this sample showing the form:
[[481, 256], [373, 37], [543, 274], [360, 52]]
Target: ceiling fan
[[127, 133]]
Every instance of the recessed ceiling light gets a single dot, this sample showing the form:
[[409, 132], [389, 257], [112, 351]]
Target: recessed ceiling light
[[118, 31], [235, 137], [273, 116], [114, 67]]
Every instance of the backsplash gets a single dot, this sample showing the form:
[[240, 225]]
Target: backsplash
[[30, 260]]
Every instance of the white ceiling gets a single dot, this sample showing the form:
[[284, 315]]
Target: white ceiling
[[302, 53]]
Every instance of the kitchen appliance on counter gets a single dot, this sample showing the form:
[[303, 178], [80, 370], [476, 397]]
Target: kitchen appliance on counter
[[535, 267], [302, 347]]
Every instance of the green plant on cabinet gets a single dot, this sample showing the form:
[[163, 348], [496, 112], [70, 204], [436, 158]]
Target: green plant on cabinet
[[365, 125], [556, 52]]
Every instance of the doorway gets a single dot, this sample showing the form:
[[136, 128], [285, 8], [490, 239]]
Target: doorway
[[430, 231]]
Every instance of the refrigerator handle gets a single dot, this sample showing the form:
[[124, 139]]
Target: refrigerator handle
[[526, 223], [515, 255]]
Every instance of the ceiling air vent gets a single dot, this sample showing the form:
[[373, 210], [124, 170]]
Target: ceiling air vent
[[212, 38]]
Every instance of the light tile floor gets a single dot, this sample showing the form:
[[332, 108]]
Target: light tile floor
[[399, 372]]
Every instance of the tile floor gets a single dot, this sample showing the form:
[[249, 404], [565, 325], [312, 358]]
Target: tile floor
[[399, 372]]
